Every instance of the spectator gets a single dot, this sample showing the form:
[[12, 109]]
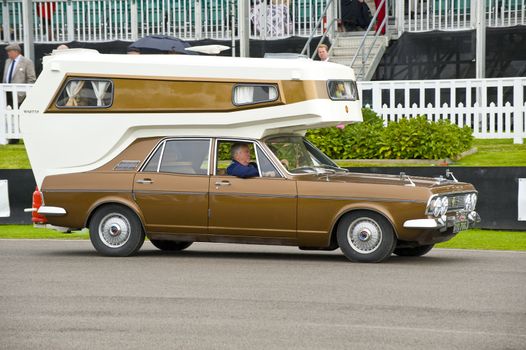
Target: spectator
[[17, 70], [381, 16], [323, 53], [356, 15], [62, 47]]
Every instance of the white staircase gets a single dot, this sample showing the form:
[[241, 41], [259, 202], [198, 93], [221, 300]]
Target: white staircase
[[347, 45]]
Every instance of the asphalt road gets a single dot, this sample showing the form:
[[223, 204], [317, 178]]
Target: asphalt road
[[62, 295]]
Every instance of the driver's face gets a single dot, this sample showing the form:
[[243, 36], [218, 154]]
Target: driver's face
[[243, 156]]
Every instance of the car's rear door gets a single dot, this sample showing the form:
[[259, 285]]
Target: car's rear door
[[172, 188]]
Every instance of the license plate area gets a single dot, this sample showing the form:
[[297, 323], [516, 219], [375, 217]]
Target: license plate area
[[461, 222]]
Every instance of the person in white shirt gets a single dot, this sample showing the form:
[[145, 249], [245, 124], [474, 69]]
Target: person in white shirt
[[323, 53]]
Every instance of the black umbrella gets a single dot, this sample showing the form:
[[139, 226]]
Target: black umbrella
[[161, 44]]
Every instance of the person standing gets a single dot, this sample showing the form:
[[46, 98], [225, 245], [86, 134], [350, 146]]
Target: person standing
[[323, 53], [17, 70]]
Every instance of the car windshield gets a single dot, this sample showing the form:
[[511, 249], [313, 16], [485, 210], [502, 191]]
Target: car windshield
[[299, 156]]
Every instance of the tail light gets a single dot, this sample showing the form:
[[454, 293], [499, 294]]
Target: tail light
[[37, 203]]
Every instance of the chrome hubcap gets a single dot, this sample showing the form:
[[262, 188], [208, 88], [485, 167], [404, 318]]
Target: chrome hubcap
[[114, 230], [364, 235]]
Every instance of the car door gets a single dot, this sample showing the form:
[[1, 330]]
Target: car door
[[263, 206], [172, 188]]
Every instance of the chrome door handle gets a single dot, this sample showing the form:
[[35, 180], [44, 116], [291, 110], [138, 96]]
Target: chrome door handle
[[222, 183], [144, 181]]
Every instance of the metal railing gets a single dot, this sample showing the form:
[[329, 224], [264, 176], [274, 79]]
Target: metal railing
[[493, 108], [427, 15], [108, 20], [321, 26], [364, 51]]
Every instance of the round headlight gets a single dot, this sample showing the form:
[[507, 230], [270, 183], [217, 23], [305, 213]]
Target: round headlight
[[444, 206], [436, 207]]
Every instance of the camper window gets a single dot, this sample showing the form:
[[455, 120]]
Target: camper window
[[343, 90], [245, 94], [82, 93]]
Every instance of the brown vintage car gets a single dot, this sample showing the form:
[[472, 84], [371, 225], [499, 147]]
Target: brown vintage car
[[175, 191]]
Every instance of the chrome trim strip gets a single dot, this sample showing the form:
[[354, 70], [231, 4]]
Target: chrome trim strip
[[362, 199], [170, 192], [253, 195], [87, 190]]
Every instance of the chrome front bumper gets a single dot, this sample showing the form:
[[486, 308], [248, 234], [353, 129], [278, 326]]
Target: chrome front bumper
[[442, 222]]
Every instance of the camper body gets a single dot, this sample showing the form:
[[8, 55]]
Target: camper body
[[138, 146]]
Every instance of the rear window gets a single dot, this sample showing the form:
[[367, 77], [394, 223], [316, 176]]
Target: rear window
[[86, 93]]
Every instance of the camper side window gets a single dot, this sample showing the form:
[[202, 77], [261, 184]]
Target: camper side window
[[245, 94], [82, 93]]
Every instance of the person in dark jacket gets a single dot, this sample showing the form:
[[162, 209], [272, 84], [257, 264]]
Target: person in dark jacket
[[241, 165]]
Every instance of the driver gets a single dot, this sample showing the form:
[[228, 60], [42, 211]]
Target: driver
[[241, 165]]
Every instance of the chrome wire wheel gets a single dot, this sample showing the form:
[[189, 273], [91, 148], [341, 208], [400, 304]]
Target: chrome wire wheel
[[114, 230], [364, 235]]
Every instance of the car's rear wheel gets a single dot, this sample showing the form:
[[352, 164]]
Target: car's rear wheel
[[170, 246], [116, 231], [366, 236], [415, 251]]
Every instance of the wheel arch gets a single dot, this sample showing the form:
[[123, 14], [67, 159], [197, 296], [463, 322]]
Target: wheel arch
[[357, 208], [114, 201]]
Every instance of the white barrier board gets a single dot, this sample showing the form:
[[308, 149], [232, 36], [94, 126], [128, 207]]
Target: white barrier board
[[4, 199], [522, 200]]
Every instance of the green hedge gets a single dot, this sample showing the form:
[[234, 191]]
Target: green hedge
[[409, 138]]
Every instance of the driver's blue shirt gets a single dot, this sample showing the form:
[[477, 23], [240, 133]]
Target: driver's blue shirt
[[240, 170]]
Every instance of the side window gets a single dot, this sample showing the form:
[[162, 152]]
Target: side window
[[153, 163], [266, 168], [82, 93], [245, 94], [224, 155], [185, 157]]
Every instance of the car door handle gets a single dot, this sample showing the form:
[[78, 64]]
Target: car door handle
[[222, 183], [144, 181]]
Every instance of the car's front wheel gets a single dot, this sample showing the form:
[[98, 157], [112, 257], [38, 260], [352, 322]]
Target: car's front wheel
[[116, 231], [415, 251], [170, 246], [365, 236]]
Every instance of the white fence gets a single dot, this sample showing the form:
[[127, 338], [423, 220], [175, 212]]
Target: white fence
[[426, 15], [9, 115], [493, 108]]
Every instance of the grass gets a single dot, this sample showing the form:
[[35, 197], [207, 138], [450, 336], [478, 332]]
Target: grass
[[14, 157], [471, 239], [486, 239], [498, 152], [30, 232]]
